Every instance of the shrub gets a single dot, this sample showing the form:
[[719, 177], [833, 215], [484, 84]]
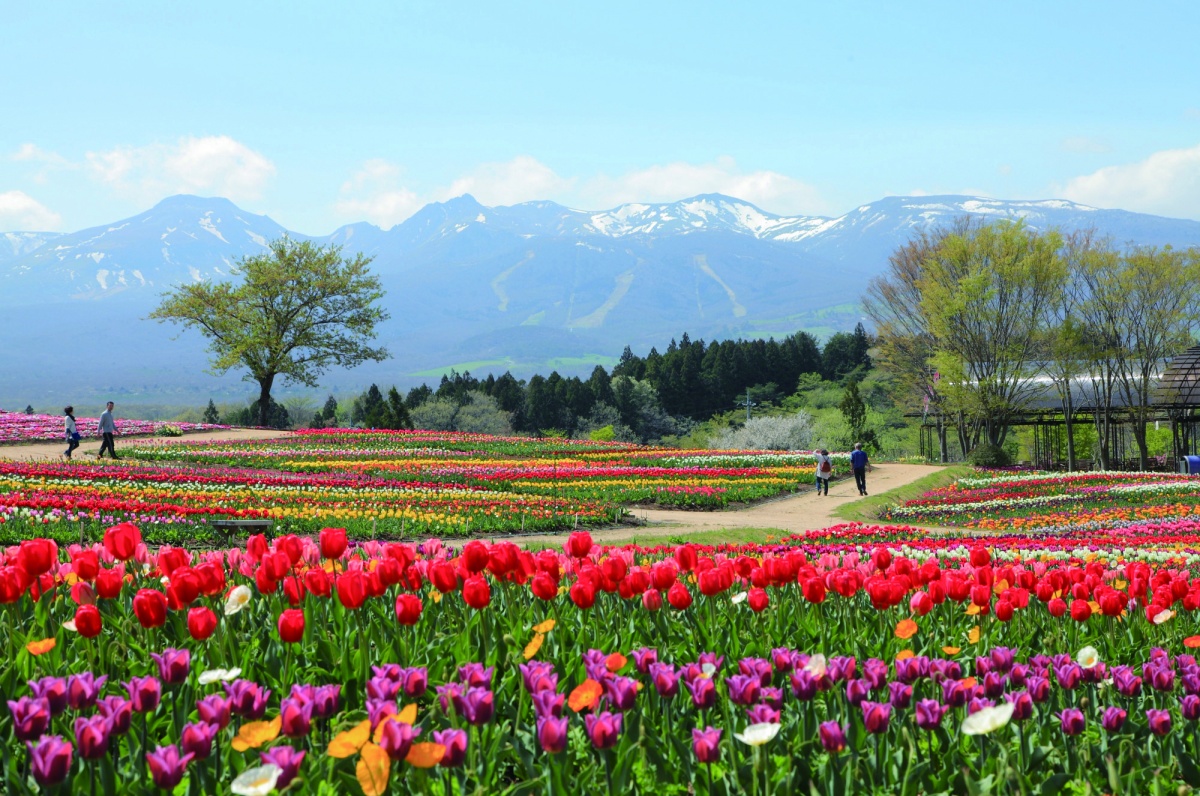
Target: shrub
[[988, 455]]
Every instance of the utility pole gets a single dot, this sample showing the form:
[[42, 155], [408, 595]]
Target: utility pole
[[747, 403]]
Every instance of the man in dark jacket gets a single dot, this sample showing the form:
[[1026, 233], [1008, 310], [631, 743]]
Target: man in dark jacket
[[858, 463]]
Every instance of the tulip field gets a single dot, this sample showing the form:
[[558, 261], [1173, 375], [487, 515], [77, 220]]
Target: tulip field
[[1039, 647], [20, 427], [380, 485]]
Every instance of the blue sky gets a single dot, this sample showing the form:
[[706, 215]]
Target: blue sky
[[319, 114]]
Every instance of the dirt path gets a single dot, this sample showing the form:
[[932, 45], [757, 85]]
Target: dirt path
[[88, 447], [798, 513]]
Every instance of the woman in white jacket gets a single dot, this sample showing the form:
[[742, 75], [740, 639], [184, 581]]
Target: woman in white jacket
[[72, 432], [824, 471]]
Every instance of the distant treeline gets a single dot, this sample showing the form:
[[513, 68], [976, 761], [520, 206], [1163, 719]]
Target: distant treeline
[[643, 398]]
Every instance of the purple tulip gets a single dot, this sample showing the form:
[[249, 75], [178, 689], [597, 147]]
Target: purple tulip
[[1061, 659], [548, 703], [416, 682], [621, 692], [118, 710], [929, 713], [875, 672], [295, 717], [804, 685], [1189, 707], [756, 667], [83, 689], [993, 685], [475, 675], [704, 693], [857, 691], [1068, 675], [833, 737], [214, 709], [91, 736], [665, 679], [1072, 721], [706, 744], [642, 658], [397, 738], [876, 716], [380, 709], [145, 693], [552, 733], [447, 694], [900, 695], [983, 665], [53, 690], [783, 659], [388, 671], [1017, 674], [713, 658], [50, 760], [954, 693], [941, 670], [604, 729], [912, 669], [288, 759], [1113, 719], [1002, 658], [976, 704], [841, 668], [1190, 680], [455, 742], [382, 688], [1126, 682], [743, 689], [772, 697], [31, 717], [167, 766], [247, 699], [1159, 720], [197, 739], [538, 676], [1022, 705], [763, 714], [173, 665], [1161, 678], [325, 702], [477, 705], [1038, 688], [594, 657]]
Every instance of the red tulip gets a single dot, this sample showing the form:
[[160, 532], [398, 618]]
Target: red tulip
[[87, 621], [652, 599], [201, 622], [37, 556], [444, 578], [86, 564], [1080, 610], [333, 542], [13, 583], [685, 555], [408, 609], [351, 587], [544, 587], [475, 556], [171, 559], [290, 546], [1004, 610], [758, 600], [318, 582], [256, 547], [122, 540], [813, 590], [109, 583], [1057, 607], [583, 594], [678, 596], [579, 544], [150, 608], [291, 626], [264, 582], [476, 592]]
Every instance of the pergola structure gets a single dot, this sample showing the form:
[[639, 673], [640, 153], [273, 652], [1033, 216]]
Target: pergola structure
[[1175, 400]]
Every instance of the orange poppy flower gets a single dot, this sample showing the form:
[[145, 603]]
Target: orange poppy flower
[[256, 733], [544, 626], [951, 650], [348, 742], [585, 696], [425, 755], [615, 662], [41, 647], [904, 655], [1192, 642], [534, 645], [373, 770], [906, 629]]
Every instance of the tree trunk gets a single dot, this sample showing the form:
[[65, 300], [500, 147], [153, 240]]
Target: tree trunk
[[1139, 436], [1069, 424], [264, 400], [943, 449]]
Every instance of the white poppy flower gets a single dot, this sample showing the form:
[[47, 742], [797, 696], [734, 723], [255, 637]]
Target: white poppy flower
[[816, 666], [221, 675], [257, 781], [759, 734], [987, 720], [238, 599], [740, 597], [1088, 657]]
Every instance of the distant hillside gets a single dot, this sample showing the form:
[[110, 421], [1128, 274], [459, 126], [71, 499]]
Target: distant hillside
[[526, 287]]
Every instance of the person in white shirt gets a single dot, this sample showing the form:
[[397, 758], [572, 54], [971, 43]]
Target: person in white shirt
[[72, 432], [824, 471], [108, 427]]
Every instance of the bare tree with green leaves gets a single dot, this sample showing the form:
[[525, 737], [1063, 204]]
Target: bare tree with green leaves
[[298, 310], [984, 293]]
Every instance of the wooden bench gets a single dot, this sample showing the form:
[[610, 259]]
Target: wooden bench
[[232, 527]]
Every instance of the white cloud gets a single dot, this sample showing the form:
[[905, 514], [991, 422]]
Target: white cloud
[[216, 165], [522, 179], [32, 153], [373, 193], [770, 190], [1165, 183], [20, 211], [1082, 145]]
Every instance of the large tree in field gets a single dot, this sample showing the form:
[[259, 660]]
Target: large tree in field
[[298, 310], [984, 294]]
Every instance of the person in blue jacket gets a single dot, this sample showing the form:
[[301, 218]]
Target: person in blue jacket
[[858, 463]]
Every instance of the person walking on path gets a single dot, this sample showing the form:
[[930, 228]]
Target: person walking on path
[[858, 463], [108, 427], [72, 432], [824, 471]]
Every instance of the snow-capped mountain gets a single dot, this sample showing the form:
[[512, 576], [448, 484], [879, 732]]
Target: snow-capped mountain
[[527, 287]]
